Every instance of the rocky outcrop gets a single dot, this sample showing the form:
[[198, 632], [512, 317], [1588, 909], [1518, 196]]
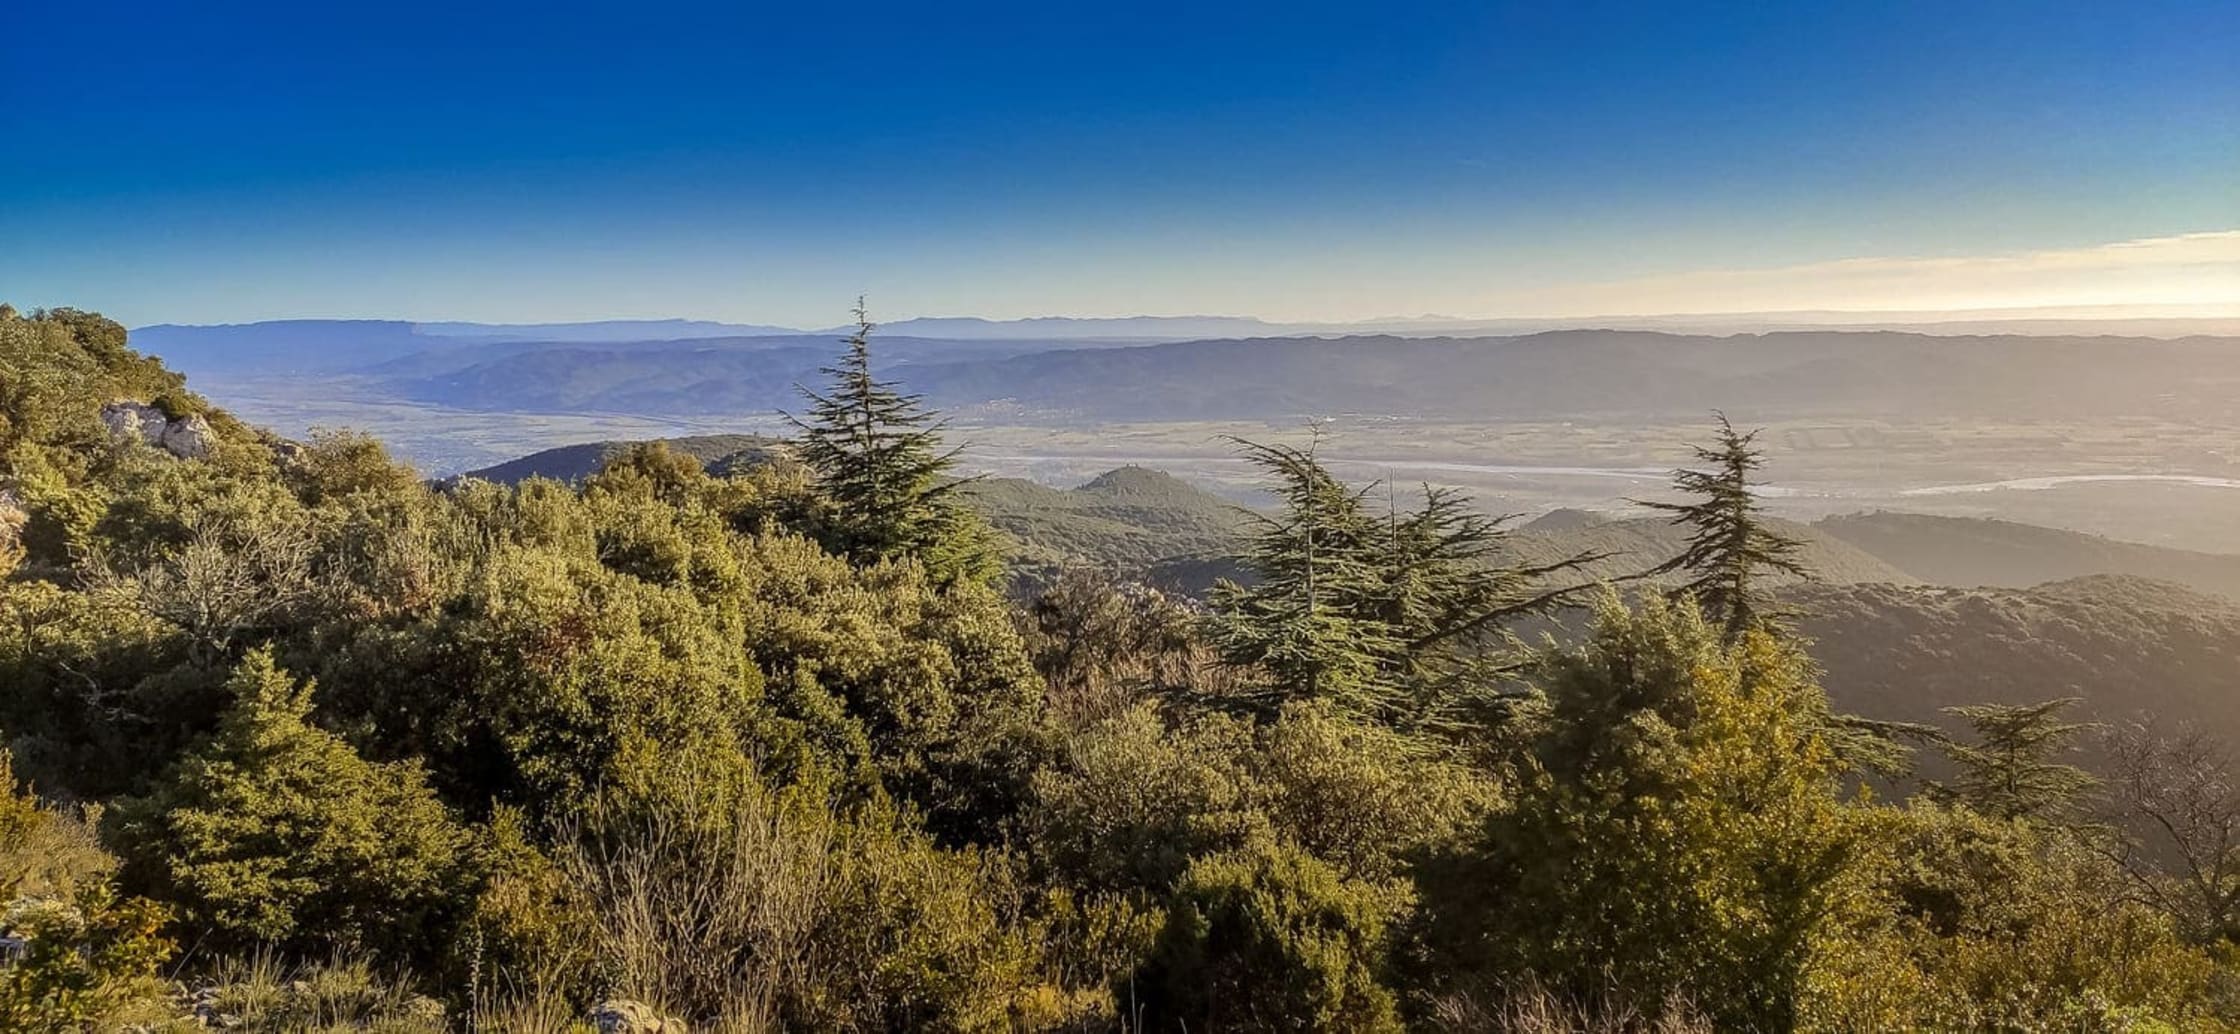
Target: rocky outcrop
[[621, 1016], [189, 437], [135, 420]]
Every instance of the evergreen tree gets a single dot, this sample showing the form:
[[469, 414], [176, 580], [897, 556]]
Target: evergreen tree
[[1729, 544], [2009, 772], [1448, 587], [1307, 619], [880, 465], [276, 832], [1395, 617]]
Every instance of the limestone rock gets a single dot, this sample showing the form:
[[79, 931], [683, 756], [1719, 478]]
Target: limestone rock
[[135, 420], [188, 437]]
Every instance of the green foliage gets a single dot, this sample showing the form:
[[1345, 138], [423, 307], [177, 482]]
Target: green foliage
[[1270, 939], [1392, 617], [724, 898], [2009, 772], [85, 957], [93, 689], [276, 832], [73, 955], [1359, 796], [1730, 546], [1675, 833], [45, 851], [1990, 924], [260, 994], [879, 462], [1133, 802]]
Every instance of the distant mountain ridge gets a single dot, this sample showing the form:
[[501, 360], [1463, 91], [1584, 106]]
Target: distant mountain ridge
[[1559, 374], [327, 345], [1975, 551]]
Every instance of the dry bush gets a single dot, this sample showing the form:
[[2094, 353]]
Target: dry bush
[[230, 577], [707, 899], [46, 850], [1103, 644], [1531, 1009]]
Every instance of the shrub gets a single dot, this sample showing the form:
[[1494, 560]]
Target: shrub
[[276, 832], [85, 958], [1270, 939], [1677, 831], [1133, 803]]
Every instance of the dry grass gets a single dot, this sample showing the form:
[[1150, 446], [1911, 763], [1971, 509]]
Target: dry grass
[[707, 901], [263, 995], [1530, 1009]]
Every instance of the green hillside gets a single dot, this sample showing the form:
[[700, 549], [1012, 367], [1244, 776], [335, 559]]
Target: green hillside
[[293, 738], [2128, 646], [1969, 551], [573, 463], [1130, 518]]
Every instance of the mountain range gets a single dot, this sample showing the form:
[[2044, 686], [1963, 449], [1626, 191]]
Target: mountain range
[[1553, 374], [329, 345]]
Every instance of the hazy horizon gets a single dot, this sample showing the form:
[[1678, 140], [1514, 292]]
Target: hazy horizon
[[1832, 318]]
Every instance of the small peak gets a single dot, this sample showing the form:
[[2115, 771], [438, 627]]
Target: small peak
[[1566, 519], [1134, 480]]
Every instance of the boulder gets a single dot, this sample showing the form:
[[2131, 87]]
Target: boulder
[[188, 437], [621, 1016], [135, 420]]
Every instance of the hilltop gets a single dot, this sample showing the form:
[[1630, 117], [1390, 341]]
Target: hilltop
[[573, 463]]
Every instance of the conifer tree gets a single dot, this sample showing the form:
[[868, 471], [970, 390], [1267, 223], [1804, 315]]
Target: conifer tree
[[1305, 620], [1729, 544], [881, 467], [276, 832], [2010, 771], [1396, 617]]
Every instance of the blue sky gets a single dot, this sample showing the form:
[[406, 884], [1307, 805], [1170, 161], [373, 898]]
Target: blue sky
[[217, 161]]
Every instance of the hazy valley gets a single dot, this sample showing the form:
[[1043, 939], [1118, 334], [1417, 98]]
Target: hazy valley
[[2129, 437]]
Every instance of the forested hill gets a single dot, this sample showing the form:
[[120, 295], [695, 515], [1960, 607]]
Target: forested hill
[[2130, 647], [576, 462], [1125, 519]]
